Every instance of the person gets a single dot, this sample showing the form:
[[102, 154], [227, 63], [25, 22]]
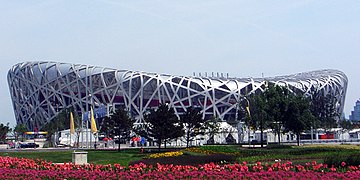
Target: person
[[142, 141]]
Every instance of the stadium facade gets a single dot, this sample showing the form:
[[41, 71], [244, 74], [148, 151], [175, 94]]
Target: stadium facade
[[40, 90]]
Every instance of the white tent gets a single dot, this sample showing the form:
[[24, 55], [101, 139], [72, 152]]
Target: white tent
[[226, 134]]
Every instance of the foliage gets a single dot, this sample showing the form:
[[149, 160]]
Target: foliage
[[163, 125], [258, 113], [324, 110], [281, 110], [118, 124], [20, 130], [21, 168], [227, 150], [212, 127], [345, 124], [4, 129], [59, 123], [193, 123], [337, 159], [193, 160], [296, 154], [277, 146], [298, 116], [277, 100]]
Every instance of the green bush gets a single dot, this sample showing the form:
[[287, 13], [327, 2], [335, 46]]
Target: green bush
[[187, 160], [277, 146], [353, 160], [337, 159], [221, 148]]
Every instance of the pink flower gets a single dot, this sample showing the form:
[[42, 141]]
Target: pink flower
[[343, 164], [333, 169]]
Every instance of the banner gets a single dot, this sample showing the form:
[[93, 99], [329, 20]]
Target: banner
[[72, 125], [93, 123], [98, 113]]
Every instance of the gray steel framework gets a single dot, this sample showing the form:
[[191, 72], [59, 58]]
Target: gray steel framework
[[39, 90]]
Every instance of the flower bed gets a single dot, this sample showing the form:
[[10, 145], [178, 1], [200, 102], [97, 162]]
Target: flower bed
[[187, 160], [209, 151], [21, 168], [165, 154]]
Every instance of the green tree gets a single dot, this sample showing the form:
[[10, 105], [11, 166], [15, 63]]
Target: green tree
[[212, 127], [163, 125], [118, 124], [345, 124], [277, 100], [194, 124], [19, 131], [258, 113], [4, 129], [278, 108], [324, 110], [298, 115], [106, 127], [267, 109], [59, 123]]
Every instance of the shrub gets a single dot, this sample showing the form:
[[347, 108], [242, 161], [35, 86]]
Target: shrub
[[277, 146], [221, 149], [187, 160], [206, 150], [337, 159]]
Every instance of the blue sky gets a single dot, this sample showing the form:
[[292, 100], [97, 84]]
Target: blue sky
[[242, 38]]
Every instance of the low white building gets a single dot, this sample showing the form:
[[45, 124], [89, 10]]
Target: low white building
[[354, 134], [85, 138]]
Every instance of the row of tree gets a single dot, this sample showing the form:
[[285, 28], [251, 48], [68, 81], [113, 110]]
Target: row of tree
[[161, 125], [277, 108], [18, 131], [282, 110]]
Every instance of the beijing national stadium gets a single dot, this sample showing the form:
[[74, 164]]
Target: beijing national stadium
[[39, 90]]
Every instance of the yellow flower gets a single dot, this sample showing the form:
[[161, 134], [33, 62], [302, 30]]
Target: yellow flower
[[166, 154]]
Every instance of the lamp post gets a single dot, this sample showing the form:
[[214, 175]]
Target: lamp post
[[248, 112], [89, 120], [239, 123]]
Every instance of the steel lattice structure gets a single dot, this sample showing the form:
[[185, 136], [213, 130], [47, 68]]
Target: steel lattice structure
[[39, 90]]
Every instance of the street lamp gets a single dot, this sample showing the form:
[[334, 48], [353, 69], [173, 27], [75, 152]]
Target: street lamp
[[248, 111], [89, 118]]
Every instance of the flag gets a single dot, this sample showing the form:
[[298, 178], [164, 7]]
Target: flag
[[72, 126], [93, 123], [248, 110]]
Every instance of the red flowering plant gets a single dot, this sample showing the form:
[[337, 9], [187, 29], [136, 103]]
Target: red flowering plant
[[22, 168]]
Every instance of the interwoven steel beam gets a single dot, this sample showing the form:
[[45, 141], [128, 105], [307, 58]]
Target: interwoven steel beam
[[39, 90]]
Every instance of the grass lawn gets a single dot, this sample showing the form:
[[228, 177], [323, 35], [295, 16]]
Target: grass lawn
[[94, 156], [124, 157], [53, 156], [298, 155]]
